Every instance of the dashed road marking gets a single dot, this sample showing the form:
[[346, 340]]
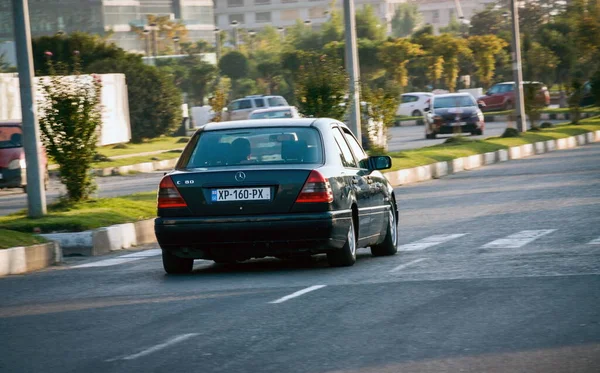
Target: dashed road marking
[[143, 254], [514, 241], [595, 242], [121, 259], [429, 242], [402, 266], [158, 347], [298, 293]]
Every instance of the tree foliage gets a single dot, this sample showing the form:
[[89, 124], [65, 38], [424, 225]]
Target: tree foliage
[[406, 20], [166, 30], [368, 25], [69, 117], [485, 48], [451, 49], [234, 65], [395, 55]]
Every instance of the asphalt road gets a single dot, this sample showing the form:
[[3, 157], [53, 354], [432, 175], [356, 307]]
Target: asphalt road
[[498, 271]]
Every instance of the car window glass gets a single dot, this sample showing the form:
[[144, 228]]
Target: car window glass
[[11, 136], [495, 89], [259, 102], [453, 101], [245, 104], [277, 101], [507, 88], [256, 146], [347, 158], [407, 99], [356, 148], [235, 105]]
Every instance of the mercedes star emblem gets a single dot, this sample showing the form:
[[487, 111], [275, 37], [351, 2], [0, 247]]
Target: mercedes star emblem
[[240, 176]]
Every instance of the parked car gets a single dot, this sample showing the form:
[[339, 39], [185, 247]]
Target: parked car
[[501, 96], [240, 109], [413, 104], [452, 113], [587, 98], [13, 168], [282, 187], [277, 112]]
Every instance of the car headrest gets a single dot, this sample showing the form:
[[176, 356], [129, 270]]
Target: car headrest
[[294, 150]]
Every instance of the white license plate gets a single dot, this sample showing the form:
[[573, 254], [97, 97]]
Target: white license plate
[[240, 194], [457, 124]]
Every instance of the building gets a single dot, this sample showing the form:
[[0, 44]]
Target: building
[[47, 17], [439, 13]]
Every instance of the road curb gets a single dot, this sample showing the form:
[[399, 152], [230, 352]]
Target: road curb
[[145, 167], [106, 239], [441, 169], [499, 118], [24, 259]]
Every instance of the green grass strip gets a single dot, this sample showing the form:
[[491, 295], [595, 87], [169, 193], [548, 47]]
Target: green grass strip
[[10, 239]]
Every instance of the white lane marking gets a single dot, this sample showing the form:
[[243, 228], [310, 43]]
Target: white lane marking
[[158, 347], [429, 241], [402, 266], [143, 254], [595, 242], [298, 293], [514, 241], [106, 262]]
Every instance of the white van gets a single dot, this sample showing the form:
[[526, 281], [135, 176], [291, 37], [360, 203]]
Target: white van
[[240, 109]]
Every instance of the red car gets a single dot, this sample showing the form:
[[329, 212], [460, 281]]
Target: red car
[[13, 167], [502, 95]]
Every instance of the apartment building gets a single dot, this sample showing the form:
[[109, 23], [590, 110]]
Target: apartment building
[[47, 17], [439, 13]]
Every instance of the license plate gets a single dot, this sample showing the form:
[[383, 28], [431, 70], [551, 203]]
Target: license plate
[[240, 194], [457, 124]]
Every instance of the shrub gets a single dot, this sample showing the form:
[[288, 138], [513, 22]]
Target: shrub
[[69, 118], [511, 132], [546, 125]]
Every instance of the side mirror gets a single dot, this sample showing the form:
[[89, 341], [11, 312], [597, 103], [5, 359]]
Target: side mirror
[[379, 162], [225, 109], [481, 104], [426, 109]]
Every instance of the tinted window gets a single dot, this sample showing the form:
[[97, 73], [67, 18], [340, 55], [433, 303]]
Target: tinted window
[[272, 114], [453, 101], [356, 148], [245, 104], [408, 98], [346, 154], [11, 136], [505, 88], [495, 89], [277, 101], [259, 102], [256, 146]]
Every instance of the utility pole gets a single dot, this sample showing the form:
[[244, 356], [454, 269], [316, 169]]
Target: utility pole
[[521, 118], [352, 67], [36, 195]]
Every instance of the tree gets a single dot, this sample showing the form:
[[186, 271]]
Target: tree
[[154, 101], [406, 19], [200, 75], [368, 25], [540, 63], [395, 55], [485, 48], [234, 65], [321, 86], [489, 21], [269, 72], [219, 101], [435, 71], [69, 117], [451, 49], [455, 27], [333, 29]]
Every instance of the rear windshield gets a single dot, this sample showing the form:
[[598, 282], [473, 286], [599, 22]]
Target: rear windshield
[[272, 114], [453, 101], [256, 146], [11, 136], [277, 101]]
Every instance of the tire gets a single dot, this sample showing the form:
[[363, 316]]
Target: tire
[[478, 132], [176, 265], [389, 244], [508, 105], [430, 136], [417, 113], [346, 256]]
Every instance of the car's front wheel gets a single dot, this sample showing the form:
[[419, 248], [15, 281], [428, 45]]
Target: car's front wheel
[[176, 265], [389, 244], [417, 113], [430, 136], [346, 256]]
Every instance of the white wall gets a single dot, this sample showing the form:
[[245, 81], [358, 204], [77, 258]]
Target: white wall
[[115, 106]]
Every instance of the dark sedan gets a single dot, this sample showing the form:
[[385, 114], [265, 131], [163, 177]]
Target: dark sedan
[[282, 187], [453, 113]]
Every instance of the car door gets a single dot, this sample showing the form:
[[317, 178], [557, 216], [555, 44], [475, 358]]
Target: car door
[[355, 177], [378, 192], [494, 97], [244, 108]]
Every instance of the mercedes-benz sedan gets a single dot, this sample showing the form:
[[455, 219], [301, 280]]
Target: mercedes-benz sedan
[[280, 187]]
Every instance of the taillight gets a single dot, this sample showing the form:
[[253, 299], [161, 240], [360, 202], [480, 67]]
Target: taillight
[[168, 195], [316, 189]]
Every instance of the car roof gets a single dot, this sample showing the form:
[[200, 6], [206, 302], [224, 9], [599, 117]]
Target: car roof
[[418, 94], [9, 123], [253, 123], [524, 82], [273, 108], [458, 94]]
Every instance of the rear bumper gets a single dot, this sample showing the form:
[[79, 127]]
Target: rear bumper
[[244, 237], [11, 178]]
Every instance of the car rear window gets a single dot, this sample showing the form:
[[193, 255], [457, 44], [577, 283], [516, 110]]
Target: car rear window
[[256, 146], [11, 136], [277, 101], [272, 114], [453, 101]]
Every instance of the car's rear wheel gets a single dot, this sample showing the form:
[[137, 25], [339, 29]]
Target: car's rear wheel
[[478, 132], [508, 105], [346, 256], [176, 265], [430, 136], [417, 113], [389, 244]]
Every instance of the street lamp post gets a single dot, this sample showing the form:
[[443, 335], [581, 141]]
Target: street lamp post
[[154, 28], [235, 25], [176, 44], [521, 118], [281, 30], [147, 41], [352, 67], [308, 23], [218, 43], [36, 196], [252, 35]]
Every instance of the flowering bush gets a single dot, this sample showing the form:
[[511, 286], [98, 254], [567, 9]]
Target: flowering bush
[[70, 116]]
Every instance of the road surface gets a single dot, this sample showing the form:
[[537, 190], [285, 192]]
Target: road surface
[[498, 271]]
